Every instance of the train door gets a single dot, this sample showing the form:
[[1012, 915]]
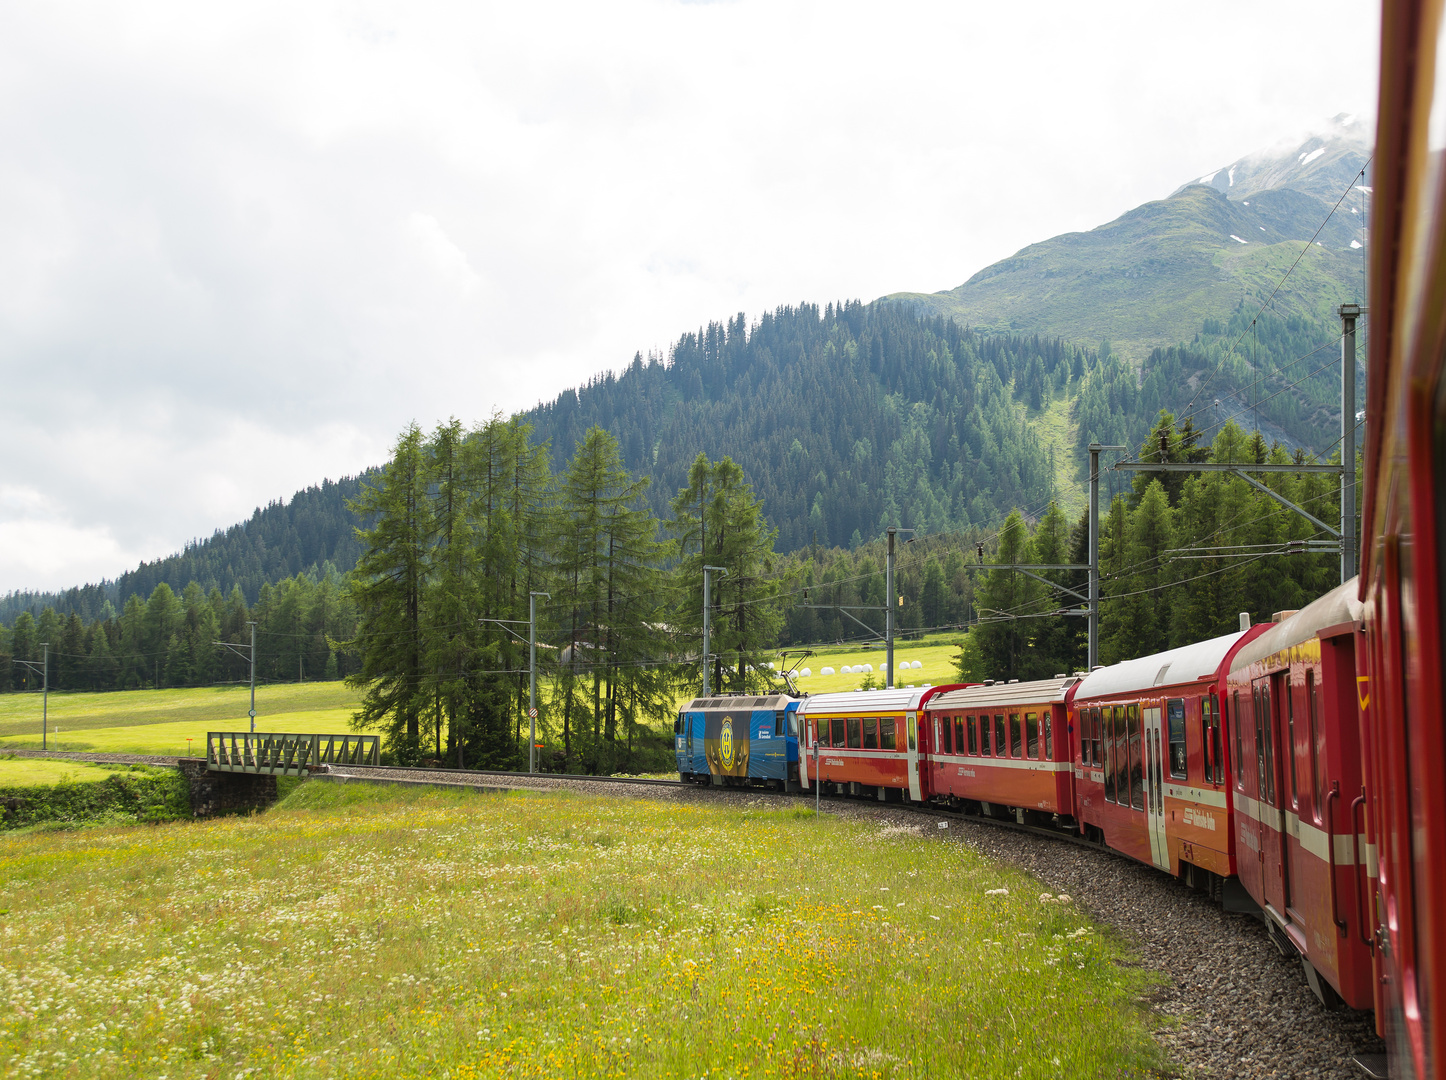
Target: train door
[[1275, 885], [1244, 723], [1155, 790], [916, 791]]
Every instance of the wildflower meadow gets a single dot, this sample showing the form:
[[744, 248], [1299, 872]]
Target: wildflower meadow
[[366, 931]]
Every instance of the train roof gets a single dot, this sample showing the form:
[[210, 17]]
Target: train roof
[[1187, 664], [1335, 607], [871, 700], [1036, 692], [739, 701]]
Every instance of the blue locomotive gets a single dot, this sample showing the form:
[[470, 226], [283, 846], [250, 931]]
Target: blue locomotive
[[739, 741]]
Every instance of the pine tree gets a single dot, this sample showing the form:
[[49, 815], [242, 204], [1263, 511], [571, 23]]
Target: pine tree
[[388, 587], [718, 521]]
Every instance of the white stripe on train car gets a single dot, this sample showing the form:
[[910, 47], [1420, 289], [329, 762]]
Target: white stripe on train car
[[1310, 837]]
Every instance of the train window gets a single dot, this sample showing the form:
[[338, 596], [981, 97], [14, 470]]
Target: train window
[[793, 724], [1217, 747], [974, 735], [1016, 736], [948, 734], [1207, 745], [778, 723], [838, 730], [1049, 736], [1099, 751], [853, 731], [678, 725], [999, 743], [1106, 718], [1264, 748], [1175, 716], [1031, 735], [912, 736], [886, 733], [958, 735], [1122, 757], [1137, 768], [1239, 754], [1082, 720], [1316, 788], [871, 733], [1289, 692]]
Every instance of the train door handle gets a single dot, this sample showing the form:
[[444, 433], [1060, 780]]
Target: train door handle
[[1330, 824], [1361, 899]]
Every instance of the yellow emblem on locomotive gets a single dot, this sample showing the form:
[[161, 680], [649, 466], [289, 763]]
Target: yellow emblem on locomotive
[[725, 742]]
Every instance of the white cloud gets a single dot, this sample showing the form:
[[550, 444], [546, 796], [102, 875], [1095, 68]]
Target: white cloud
[[244, 245]]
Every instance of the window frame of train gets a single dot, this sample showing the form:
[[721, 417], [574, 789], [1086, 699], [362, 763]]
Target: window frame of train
[[1016, 737], [1317, 784], [1239, 746], [1047, 723], [888, 739], [1210, 743], [1175, 711], [871, 732], [1136, 733], [959, 735], [1107, 717], [1031, 736], [1001, 737], [836, 732], [972, 728], [854, 728]]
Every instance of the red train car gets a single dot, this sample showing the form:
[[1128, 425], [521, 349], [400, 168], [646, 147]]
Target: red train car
[[1152, 761], [1002, 749], [1402, 532], [1296, 771], [867, 742]]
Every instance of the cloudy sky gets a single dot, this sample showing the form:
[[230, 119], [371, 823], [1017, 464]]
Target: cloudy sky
[[242, 245]]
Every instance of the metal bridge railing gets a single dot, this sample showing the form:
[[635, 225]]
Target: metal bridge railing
[[287, 755]]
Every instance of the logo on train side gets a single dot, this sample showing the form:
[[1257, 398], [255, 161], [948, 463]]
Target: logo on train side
[[725, 742], [1201, 819]]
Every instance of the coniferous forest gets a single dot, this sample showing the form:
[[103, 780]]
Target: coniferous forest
[[781, 450]]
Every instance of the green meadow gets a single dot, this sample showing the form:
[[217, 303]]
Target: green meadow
[[161, 721], [361, 931]]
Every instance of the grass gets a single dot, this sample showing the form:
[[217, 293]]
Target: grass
[[160, 721], [358, 931], [936, 655], [43, 772]]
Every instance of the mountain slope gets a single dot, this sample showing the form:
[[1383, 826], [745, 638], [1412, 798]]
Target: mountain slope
[[1153, 275], [851, 417]]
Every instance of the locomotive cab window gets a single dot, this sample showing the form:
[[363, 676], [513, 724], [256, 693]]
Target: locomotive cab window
[[887, 740], [1175, 717], [871, 733], [778, 723], [678, 725]]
